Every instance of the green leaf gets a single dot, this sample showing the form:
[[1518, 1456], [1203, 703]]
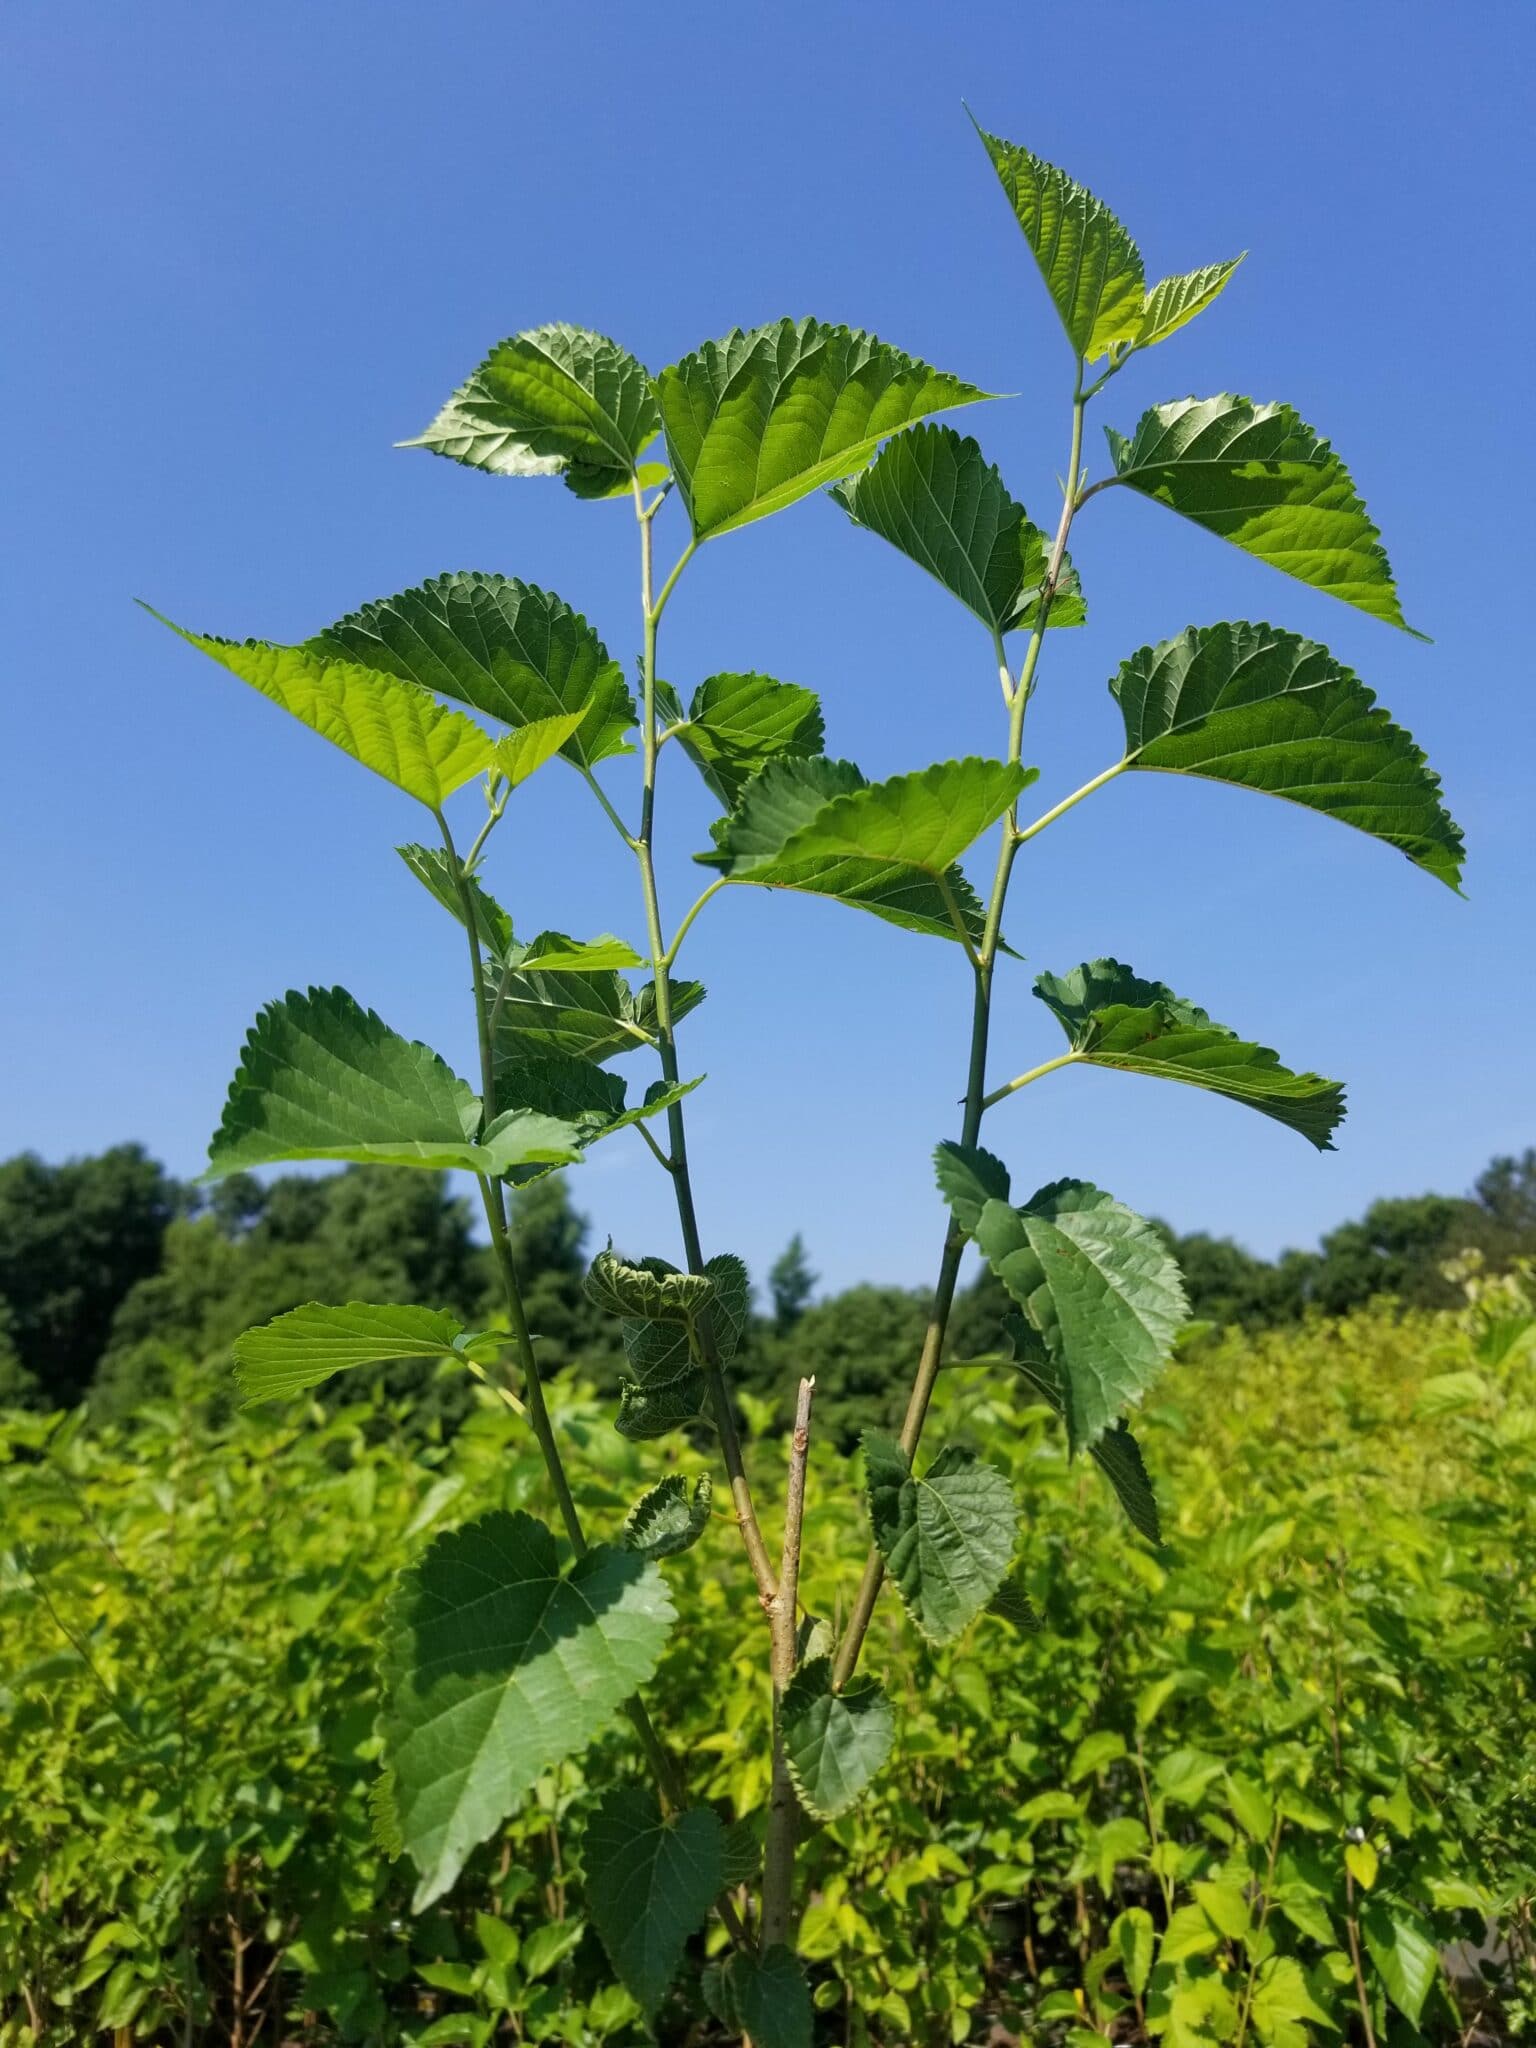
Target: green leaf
[[496, 1666], [1010, 1603], [582, 1016], [322, 1078], [669, 1386], [1114, 1019], [767, 1998], [758, 420], [399, 731], [1260, 477], [1134, 1935], [834, 1742], [588, 1097], [886, 847], [650, 1883], [522, 753], [1281, 1999], [936, 497], [431, 867], [651, 1291], [736, 723], [553, 401], [554, 953], [509, 649], [1252, 1807], [1092, 268], [969, 1177], [1117, 1453], [1270, 711], [946, 1538], [1098, 1285], [664, 1521], [1175, 301], [309, 1343]]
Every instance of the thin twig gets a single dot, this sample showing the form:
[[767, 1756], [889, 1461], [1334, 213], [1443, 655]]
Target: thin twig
[[783, 1612]]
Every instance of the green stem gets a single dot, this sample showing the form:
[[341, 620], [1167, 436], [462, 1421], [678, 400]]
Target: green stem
[[1067, 802], [976, 1074], [720, 882], [1065, 1059], [667, 1780], [677, 1134]]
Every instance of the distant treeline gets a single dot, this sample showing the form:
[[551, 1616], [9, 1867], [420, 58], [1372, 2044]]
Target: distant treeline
[[113, 1275]]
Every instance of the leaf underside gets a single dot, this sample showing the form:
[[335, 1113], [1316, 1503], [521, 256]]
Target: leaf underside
[[505, 648], [1091, 267], [322, 1078], [665, 1521], [387, 723], [1273, 712], [760, 419], [736, 724], [1114, 1019], [668, 1387], [933, 495], [886, 847], [497, 1665], [1260, 477], [305, 1346], [1117, 1453], [552, 401]]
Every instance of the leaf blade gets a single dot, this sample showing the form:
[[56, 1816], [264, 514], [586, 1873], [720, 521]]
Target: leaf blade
[[1258, 476], [1270, 711], [1114, 1019], [834, 1742], [389, 725], [498, 1664], [552, 401], [947, 1538], [650, 1882], [933, 495], [503, 647], [760, 419], [322, 1078], [305, 1346]]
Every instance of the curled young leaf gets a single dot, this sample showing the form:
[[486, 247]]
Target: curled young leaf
[[664, 1520]]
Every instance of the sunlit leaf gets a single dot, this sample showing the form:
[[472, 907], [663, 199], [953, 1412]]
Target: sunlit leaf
[[737, 723], [497, 1664], [505, 648], [1406, 1958], [553, 401], [947, 1538], [1276, 713], [936, 497], [1260, 477], [1113, 1018], [322, 1078], [886, 847], [522, 753], [1175, 301], [650, 1882], [760, 419], [388, 724], [669, 1385], [1092, 268], [650, 1291], [305, 1346]]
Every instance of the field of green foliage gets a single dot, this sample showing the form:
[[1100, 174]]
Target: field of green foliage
[[1273, 1783]]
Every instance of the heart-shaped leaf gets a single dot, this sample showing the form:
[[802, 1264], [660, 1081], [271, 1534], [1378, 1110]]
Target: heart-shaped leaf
[[834, 1742], [947, 1538], [650, 1882]]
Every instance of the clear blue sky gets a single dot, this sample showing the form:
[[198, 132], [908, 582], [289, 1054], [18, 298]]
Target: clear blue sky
[[249, 248]]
